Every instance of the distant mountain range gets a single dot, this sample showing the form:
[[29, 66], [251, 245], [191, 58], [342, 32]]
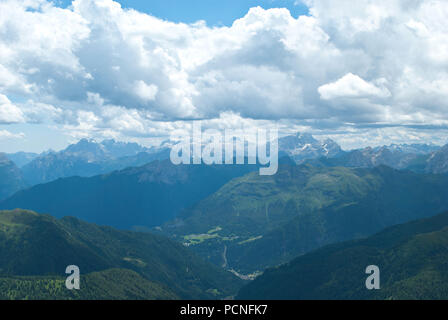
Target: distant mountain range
[[89, 158], [11, 179], [255, 221], [425, 158], [412, 259], [417, 158], [304, 146], [145, 196], [22, 158], [36, 249], [229, 215], [101, 169], [418, 149], [370, 158], [437, 162]]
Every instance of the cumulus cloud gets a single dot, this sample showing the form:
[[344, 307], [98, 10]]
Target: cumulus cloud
[[96, 68], [145, 92], [9, 113], [352, 86]]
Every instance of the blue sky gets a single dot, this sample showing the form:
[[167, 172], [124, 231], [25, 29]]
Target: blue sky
[[215, 12]]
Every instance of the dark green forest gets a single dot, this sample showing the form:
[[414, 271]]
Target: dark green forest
[[36, 249]]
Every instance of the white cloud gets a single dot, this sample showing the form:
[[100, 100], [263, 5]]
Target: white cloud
[[9, 113], [95, 99], [145, 92], [39, 113], [352, 86], [98, 68]]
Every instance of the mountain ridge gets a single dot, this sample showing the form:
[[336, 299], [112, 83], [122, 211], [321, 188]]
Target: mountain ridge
[[11, 178], [37, 245], [88, 158], [411, 258], [153, 193], [300, 209]]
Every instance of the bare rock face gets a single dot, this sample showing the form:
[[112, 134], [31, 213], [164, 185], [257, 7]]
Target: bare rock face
[[304, 146]]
